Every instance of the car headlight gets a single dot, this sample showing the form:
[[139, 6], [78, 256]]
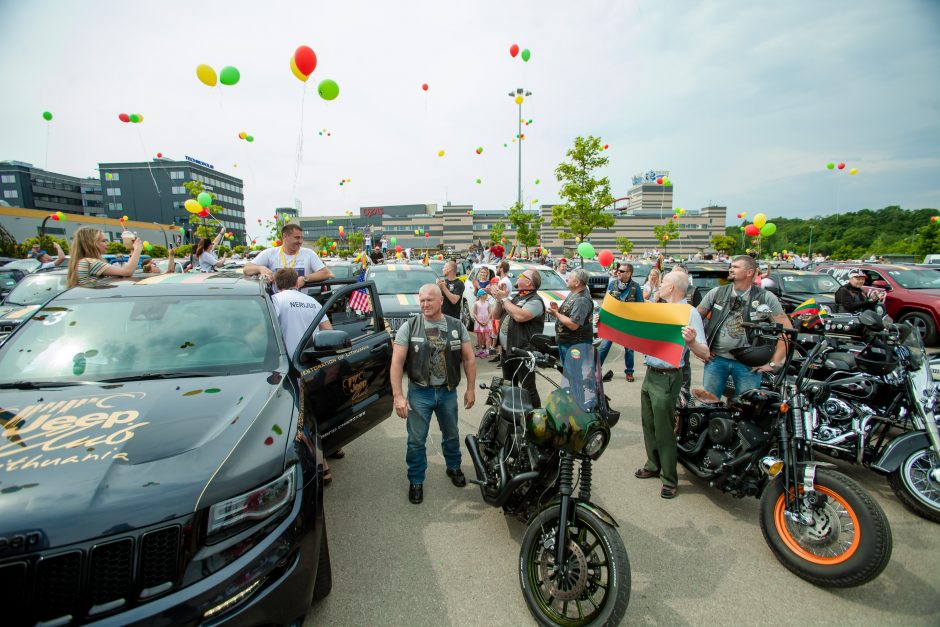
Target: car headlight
[[594, 444], [254, 505]]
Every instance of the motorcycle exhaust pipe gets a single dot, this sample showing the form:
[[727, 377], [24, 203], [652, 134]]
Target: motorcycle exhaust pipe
[[509, 486], [697, 448], [474, 450]]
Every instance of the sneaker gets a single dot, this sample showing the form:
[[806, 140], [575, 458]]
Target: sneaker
[[630, 378], [457, 478], [495, 360], [416, 493]]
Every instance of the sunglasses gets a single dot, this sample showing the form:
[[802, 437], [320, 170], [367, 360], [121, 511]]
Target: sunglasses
[[624, 270]]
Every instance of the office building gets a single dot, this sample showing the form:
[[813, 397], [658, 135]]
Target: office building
[[25, 186]]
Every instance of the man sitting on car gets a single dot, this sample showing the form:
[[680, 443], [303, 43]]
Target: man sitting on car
[[851, 299]]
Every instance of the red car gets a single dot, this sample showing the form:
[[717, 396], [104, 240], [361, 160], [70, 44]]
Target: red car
[[912, 294]]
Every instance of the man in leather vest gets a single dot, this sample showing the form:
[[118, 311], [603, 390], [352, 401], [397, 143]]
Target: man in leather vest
[[573, 324], [625, 289], [724, 309], [851, 299], [431, 347], [523, 316]]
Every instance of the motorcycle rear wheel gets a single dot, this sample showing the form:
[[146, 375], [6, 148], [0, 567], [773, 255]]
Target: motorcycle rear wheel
[[849, 544], [915, 488], [597, 588]]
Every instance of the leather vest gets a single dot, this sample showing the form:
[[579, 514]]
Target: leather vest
[[725, 297], [585, 332], [519, 334], [418, 360]]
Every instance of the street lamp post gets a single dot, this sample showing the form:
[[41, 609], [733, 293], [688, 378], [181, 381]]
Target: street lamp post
[[519, 93], [810, 253]]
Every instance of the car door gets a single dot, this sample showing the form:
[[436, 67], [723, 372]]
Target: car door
[[348, 391]]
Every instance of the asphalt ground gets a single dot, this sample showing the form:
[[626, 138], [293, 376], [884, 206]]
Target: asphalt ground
[[699, 559]]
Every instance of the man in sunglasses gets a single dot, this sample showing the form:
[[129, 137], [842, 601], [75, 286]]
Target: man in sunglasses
[[522, 316], [625, 289]]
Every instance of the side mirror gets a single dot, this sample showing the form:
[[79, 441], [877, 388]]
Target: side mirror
[[871, 320], [880, 284], [541, 342], [332, 342]]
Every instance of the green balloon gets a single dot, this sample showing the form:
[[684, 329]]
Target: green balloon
[[249, 138], [536, 181], [134, 118], [586, 250], [479, 181], [505, 145], [831, 166], [183, 230], [768, 229], [328, 89], [525, 57], [229, 75], [46, 115], [742, 228], [204, 199]]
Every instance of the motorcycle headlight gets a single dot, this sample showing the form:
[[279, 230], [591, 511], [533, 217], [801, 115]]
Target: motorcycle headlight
[[254, 505], [827, 309], [594, 444]]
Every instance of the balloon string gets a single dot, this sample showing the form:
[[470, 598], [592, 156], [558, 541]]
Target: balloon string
[[300, 140], [48, 128], [146, 156]]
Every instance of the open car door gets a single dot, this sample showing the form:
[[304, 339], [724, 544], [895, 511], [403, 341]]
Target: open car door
[[345, 372]]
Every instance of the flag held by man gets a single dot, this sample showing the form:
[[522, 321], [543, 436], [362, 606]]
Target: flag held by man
[[654, 329]]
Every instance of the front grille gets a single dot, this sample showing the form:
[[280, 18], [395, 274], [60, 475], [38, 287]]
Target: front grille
[[58, 580], [598, 280], [396, 322], [13, 580], [159, 557], [111, 566]]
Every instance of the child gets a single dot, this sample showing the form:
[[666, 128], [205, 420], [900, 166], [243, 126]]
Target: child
[[481, 313]]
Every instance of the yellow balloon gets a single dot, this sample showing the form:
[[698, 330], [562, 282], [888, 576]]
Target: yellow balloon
[[760, 220], [192, 205], [146, 243], [744, 214], [853, 171], [440, 153], [519, 100], [398, 255], [300, 75], [243, 135], [207, 75]]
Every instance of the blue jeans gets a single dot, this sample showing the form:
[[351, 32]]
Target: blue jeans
[[443, 403], [716, 376], [627, 355]]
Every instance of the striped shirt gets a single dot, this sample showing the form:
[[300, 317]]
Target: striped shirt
[[90, 270]]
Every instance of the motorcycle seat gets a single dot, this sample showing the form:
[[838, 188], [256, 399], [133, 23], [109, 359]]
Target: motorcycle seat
[[703, 398], [841, 361], [516, 403]]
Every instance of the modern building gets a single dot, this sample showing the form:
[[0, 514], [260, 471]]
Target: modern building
[[25, 223], [22, 185], [648, 195], [153, 191]]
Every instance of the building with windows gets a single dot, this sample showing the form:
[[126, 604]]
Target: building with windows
[[153, 191], [22, 185]]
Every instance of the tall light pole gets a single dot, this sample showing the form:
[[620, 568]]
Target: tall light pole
[[810, 253], [519, 95]]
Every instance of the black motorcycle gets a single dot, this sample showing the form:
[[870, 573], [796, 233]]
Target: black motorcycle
[[573, 566], [820, 524]]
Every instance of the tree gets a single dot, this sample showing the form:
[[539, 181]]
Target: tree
[[496, 231], [723, 243], [526, 224], [585, 196], [322, 242], [8, 247], [116, 248], [46, 244], [354, 240], [624, 245], [928, 240], [667, 232], [202, 229]]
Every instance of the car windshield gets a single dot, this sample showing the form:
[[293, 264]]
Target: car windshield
[[809, 283], [341, 272], [551, 280], [916, 279], [95, 339], [7, 280], [398, 280], [29, 265], [36, 289], [593, 266]]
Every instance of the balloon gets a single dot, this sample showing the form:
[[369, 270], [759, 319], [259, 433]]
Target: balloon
[[768, 229], [277, 242], [192, 205], [46, 116], [739, 215], [675, 216], [440, 153], [204, 199], [140, 117], [660, 180], [203, 214], [242, 135], [526, 55], [933, 218], [831, 166], [424, 86], [306, 60], [586, 250], [328, 89], [853, 171], [159, 155], [296, 72], [123, 117], [206, 75], [841, 166], [494, 281], [124, 219], [394, 241], [536, 181], [606, 146], [751, 230], [183, 230], [744, 214], [146, 243], [398, 249], [398, 255], [479, 150], [478, 181], [135, 118], [249, 138], [417, 232], [760, 220], [427, 235], [513, 50], [54, 217], [519, 100], [229, 75], [743, 229], [605, 258]]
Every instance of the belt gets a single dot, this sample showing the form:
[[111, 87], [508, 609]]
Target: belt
[[662, 370]]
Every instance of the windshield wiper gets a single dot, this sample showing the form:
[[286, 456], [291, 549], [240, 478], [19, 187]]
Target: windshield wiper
[[38, 385], [163, 375]]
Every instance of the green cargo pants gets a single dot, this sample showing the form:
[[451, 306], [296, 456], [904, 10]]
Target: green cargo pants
[[658, 398]]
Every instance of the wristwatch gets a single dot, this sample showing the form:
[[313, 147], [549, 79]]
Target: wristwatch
[[772, 364]]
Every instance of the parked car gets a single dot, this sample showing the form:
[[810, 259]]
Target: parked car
[[911, 294], [397, 285], [34, 290], [9, 277], [598, 277], [794, 287], [28, 265], [164, 453], [705, 276]]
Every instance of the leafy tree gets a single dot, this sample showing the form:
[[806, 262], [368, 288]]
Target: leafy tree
[[8, 247], [496, 231], [666, 232], [184, 251], [203, 228], [526, 224], [116, 248], [624, 245], [354, 240], [928, 240], [723, 243], [321, 243], [46, 244], [585, 196], [158, 251]]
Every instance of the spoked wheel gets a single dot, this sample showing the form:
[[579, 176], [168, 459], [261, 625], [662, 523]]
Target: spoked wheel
[[593, 588], [914, 484], [841, 540]]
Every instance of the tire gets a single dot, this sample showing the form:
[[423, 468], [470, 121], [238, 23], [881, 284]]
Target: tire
[[606, 546], [324, 583], [912, 484], [924, 324], [822, 556]]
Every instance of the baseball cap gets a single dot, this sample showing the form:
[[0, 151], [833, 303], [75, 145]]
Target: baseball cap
[[481, 292], [856, 272]]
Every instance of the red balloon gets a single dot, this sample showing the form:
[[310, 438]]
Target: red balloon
[[203, 214], [513, 50], [606, 146], [123, 117], [494, 281], [427, 235], [841, 166], [54, 217], [605, 257], [934, 219], [675, 217], [305, 60], [660, 180], [424, 86], [159, 155], [398, 249], [751, 230]]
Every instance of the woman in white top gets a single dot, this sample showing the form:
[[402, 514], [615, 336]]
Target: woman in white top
[[651, 287], [208, 262]]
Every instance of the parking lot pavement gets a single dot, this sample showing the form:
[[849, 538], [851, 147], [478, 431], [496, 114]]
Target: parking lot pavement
[[699, 559]]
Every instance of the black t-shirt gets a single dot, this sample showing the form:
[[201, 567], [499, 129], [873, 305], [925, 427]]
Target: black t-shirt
[[453, 309]]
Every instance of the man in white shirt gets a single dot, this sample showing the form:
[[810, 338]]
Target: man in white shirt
[[289, 254], [46, 259], [295, 310]]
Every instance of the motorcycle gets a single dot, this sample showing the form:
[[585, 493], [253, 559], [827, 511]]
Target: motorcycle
[[874, 405], [820, 524], [573, 566]]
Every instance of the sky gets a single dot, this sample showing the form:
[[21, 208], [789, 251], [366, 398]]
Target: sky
[[742, 102]]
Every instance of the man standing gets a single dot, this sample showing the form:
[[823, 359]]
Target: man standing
[[289, 254], [46, 259], [563, 268], [505, 284], [523, 316], [431, 347], [660, 391], [625, 289], [573, 324], [452, 289], [725, 308], [383, 243], [851, 299]]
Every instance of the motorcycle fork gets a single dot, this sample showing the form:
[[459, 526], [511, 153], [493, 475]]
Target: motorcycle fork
[[566, 511], [794, 449]]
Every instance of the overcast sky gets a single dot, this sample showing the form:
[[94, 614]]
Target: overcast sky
[[744, 102]]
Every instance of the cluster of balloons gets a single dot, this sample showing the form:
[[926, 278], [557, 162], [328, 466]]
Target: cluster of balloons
[[664, 180], [419, 231], [743, 214], [514, 50], [525, 121], [207, 76], [479, 150], [303, 63], [345, 181], [679, 212], [58, 215], [199, 205], [134, 118], [841, 166], [760, 227], [470, 211], [248, 138], [328, 134], [47, 116], [342, 231]]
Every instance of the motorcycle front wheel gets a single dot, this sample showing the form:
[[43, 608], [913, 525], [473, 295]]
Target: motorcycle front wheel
[[914, 486], [596, 588], [848, 543]]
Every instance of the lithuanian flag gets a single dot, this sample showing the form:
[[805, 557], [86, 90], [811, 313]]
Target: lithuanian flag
[[654, 329], [808, 306]]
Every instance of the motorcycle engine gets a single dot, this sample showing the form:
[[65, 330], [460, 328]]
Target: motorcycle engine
[[835, 417], [720, 430]]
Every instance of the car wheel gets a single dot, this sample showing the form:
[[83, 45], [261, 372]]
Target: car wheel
[[924, 325]]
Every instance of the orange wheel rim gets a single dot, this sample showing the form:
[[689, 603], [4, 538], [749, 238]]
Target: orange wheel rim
[[780, 521]]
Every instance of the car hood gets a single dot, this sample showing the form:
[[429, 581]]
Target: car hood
[[823, 298], [399, 304], [927, 294], [86, 461], [553, 296], [16, 313]]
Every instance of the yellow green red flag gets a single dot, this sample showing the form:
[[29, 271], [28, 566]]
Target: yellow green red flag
[[654, 329]]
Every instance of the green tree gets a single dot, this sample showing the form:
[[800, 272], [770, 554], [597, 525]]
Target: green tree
[[723, 243], [496, 231], [666, 232], [354, 240], [624, 245], [321, 243], [526, 224], [46, 244], [585, 196], [8, 246], [203, 228], [928, 240], [158, 252], [116, 248]]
